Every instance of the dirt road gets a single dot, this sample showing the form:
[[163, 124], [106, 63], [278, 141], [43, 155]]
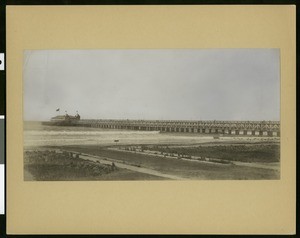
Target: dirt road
[[127, 166]]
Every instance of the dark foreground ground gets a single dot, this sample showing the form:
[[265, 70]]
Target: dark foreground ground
[[264, 153], [242, 161], [254, 152], [49, 165]]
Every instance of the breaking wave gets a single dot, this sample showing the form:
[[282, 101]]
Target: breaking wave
[[43, 135]]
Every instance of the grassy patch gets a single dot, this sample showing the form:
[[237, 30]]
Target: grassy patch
[[52, 166], [255, 152], [183, 168]]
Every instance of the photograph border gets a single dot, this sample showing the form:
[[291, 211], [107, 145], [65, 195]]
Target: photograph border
[[268, 195]]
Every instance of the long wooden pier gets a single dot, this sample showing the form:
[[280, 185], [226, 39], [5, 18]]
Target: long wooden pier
[[250, 128]]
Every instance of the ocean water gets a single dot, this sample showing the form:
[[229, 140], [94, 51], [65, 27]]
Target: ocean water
[[36, 134]]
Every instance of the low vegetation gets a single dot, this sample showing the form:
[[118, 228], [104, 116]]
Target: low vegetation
[[184, 168], [262, 152], [50, 165]]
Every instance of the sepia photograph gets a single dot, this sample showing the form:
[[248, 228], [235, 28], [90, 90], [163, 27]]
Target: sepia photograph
[[151, 114], [151, 119]]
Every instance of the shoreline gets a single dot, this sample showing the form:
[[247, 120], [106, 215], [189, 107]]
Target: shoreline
[[176, 155]]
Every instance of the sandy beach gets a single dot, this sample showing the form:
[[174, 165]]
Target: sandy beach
[[154, 155]]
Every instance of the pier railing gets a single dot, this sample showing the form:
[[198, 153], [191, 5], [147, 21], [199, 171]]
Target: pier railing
[[267, 128]]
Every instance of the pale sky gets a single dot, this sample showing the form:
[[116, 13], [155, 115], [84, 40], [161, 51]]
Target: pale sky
[[179, 84]]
